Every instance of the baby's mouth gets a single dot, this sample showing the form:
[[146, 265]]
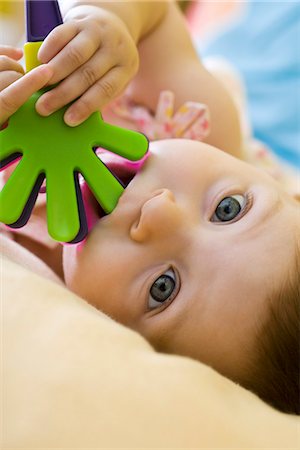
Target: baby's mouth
[[122, 169]]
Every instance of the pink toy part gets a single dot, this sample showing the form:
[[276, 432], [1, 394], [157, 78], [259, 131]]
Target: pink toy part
[[121, 168], [9, 168]]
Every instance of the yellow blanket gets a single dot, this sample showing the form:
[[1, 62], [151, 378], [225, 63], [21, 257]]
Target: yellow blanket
[[73, 378]]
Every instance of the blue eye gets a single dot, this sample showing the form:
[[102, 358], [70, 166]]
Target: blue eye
[[164, 289], [229, 208]]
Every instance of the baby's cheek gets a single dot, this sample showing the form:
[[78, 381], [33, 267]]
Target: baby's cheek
[[73, 273], [82, 274]]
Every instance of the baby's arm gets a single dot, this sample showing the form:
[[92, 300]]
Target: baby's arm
[[168, 61], [15, 88], [93, 54]]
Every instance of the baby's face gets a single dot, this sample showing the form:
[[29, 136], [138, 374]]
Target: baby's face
[[197, 243]]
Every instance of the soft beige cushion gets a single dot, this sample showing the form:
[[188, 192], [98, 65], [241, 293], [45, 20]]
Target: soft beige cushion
[[73, 378]]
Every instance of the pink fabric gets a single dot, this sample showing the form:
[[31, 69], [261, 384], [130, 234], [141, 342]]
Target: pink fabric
[[190, 121]]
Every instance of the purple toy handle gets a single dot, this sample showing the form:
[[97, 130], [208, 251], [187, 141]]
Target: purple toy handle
[[41, 17]]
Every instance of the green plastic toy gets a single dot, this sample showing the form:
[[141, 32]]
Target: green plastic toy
[[50, 149]]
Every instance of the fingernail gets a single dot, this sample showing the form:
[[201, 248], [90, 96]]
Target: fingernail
[[72, 119], [43, 110]]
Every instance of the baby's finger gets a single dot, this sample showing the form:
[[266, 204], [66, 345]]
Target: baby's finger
[[73, 86], [95, 98], [11, 52], [56, 41], [8, 77], [7, 63], [13, 97], [73, 55]]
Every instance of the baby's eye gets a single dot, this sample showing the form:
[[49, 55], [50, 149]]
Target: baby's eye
[[229, 208], [164, 289]]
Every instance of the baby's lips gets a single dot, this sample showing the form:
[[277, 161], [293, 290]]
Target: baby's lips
[[120, 167]]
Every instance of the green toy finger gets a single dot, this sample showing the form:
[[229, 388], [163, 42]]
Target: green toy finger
[[105, 187], [134, 145], [62, 210], [9, 148], [17, 191]]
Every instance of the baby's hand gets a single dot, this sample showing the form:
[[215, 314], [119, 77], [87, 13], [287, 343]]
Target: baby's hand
[[93, 57], [15, 88], [9, 68]]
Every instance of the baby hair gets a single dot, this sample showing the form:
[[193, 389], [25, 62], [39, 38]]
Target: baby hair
[[275, 373]]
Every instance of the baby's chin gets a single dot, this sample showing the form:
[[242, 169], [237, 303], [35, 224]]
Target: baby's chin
[[177, 145], [186, 148]]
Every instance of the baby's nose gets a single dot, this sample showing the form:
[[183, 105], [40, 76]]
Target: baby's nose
[[159, 216]]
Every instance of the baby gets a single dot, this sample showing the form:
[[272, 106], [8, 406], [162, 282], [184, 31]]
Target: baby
[[201, 255]]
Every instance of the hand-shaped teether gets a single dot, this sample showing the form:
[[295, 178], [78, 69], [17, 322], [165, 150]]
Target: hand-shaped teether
[[49, 148]]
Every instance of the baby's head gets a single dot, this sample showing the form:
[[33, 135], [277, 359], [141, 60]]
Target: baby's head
[[201, 257]]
